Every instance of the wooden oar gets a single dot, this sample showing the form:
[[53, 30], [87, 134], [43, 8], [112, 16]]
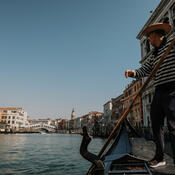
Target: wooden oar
[[131, 105]]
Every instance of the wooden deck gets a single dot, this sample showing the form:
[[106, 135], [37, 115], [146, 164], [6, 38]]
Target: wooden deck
[[146, 149]]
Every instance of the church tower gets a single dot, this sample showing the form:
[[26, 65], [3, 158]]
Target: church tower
[[72, 115]]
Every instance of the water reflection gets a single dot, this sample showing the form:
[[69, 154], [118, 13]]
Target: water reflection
[[44, 154]]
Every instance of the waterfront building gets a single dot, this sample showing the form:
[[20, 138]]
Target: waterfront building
[[4, 127], [63, 126], [75, 125], [85, 120], [107, 122], [66, 124], [57, 122], [78, 124], [97, 124], [88, 120], [165, 9], [14, 117], [117, 108], [136, 114], [107, 109]]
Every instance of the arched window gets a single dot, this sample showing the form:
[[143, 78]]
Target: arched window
[[173, 14], [147, 47]]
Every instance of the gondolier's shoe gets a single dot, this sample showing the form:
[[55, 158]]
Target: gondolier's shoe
[[155, 163]]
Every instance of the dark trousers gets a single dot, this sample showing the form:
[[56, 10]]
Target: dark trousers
[[163, 105]]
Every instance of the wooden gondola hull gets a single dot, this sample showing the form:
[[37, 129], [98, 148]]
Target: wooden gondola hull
[[119, 159], [119, 149], [130, 155]]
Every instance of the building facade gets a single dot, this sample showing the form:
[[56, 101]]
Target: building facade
[[78, 124], [136, 114], [15, 117], [117, 108], [107, 109], [107, 118]]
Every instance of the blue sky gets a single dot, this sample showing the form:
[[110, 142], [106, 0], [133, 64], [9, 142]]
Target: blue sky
[[60, 54]]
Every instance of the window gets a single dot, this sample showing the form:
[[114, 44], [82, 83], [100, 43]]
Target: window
[[131, 115], [165, 19], [14, 111], [5, 111], [147, 47], [130, 92], [143, 49], [126, 94], [174, 22], [149, 98], [173, 14], [9, 117], [173, 10], [9, 122], [130, 101], [13, 122]]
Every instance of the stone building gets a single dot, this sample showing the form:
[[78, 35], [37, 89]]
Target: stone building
[[107, 109], [117, 108], [90, 120], [15, 117], [63, 126], [107, 118], [75, 125], [136, 114], [166, 9], [78, 124]]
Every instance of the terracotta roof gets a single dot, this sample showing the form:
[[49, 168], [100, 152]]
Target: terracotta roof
[[96, 112], [11, 108]]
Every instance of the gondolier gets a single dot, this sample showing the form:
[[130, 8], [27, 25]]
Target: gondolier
[[163, 104]]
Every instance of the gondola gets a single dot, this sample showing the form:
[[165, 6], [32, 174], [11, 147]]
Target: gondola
[[120, 157]]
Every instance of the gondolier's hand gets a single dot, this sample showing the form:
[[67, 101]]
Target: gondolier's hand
[[129, 73]]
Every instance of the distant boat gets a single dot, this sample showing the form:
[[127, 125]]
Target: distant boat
[[42, 132], [71, 132]]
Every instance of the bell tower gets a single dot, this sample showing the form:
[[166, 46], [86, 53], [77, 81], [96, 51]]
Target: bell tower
[[72, 114]]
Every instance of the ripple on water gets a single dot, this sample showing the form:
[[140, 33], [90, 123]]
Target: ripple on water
[[33, 154]]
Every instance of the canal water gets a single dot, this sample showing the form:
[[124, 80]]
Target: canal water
[[44, 154]]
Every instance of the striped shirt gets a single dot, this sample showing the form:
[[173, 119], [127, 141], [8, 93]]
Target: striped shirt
[[166, 72]]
